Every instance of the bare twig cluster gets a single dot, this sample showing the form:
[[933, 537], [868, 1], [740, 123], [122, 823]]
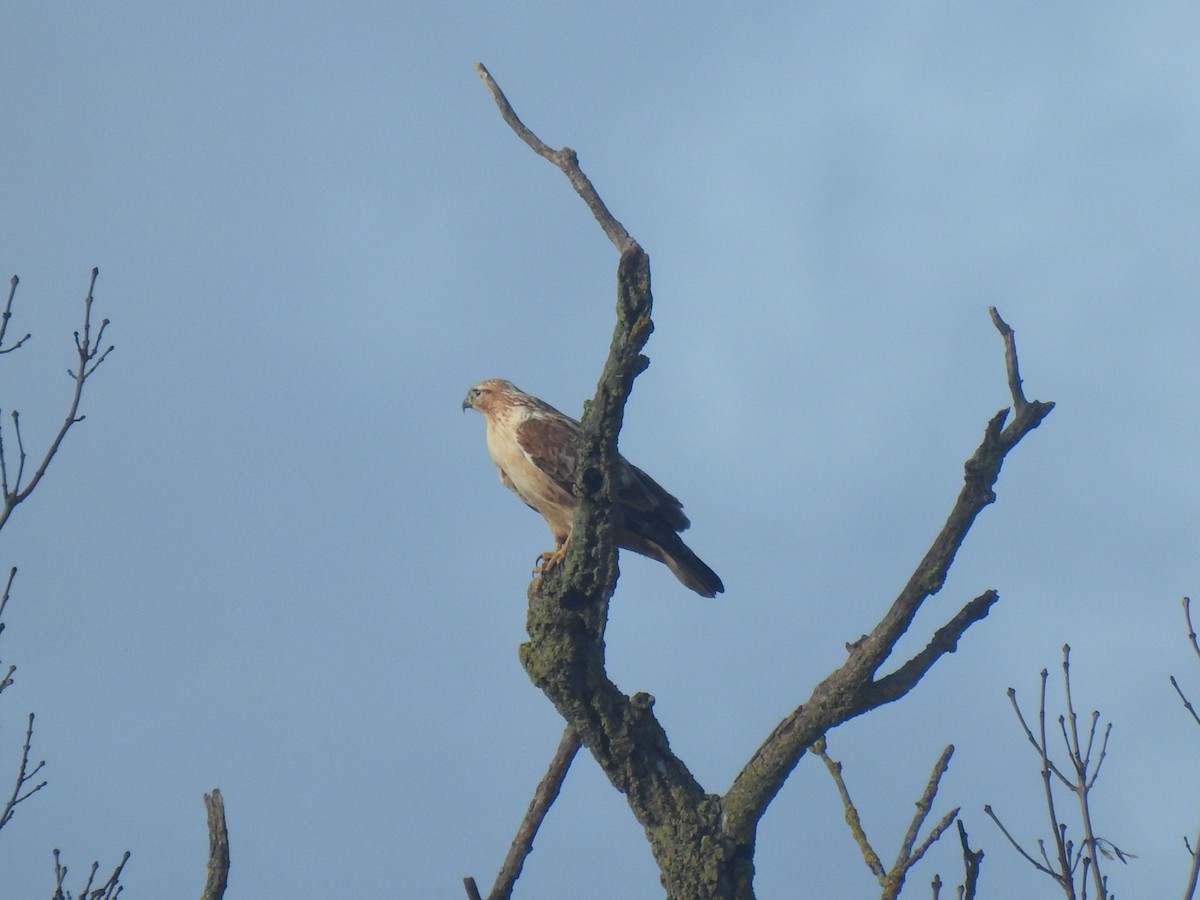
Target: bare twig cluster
[[109, 890], [1073, 864], [910, 853], [91, 353], [15, 488], [704, 842]]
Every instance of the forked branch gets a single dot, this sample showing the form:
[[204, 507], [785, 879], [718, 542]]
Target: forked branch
[[109, 890], [704, 844], [854, 688], [90, 353], [892, 880]]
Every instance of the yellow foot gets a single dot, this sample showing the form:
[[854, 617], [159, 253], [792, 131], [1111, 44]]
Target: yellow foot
[[550, 560]]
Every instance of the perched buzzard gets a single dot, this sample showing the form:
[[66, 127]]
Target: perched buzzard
[[533, 446]]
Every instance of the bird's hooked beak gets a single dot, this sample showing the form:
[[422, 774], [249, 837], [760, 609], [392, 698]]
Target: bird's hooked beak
[[467, 404]]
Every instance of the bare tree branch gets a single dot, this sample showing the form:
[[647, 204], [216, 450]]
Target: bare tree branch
[[892, 880], [22, 790], [90, 356], [851, 690], [6, 679], [1194, 870], [110, 890], [543, 799], [909, 857], [945, 640], [565, 159], [850, 811], [991, 813], [972, 859], [7, 314], [218, 847], [565, 654]]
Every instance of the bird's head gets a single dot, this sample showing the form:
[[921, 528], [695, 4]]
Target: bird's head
[[485, 395]]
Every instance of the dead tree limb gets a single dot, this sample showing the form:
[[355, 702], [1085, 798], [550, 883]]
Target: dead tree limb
[[704, 843], [543, 799], [218, 847]]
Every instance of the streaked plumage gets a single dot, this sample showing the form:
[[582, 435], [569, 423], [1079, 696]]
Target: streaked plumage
[[533, 446]]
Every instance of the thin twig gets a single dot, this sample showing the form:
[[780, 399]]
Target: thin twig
[[870, 857], [543, 799], [21, 790], [1187, 611], [7, 678], [1194, 873], [110, 890], [892, 881], [1083, 784], [972, 859], [1029, 735], [7, 314], [1194, 852], [1187, 704], [1016, 846]]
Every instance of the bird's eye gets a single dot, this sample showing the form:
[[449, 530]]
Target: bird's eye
[[476, 392]]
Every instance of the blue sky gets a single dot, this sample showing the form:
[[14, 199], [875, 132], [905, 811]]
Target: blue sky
[[276, 559]]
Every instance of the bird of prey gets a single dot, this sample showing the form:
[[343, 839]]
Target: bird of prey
[[533, 446]]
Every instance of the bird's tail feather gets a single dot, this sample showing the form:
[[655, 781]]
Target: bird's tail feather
[[690, 569]]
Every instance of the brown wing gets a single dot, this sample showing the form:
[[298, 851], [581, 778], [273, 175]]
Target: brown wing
[[548, 439], [638, 492]]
